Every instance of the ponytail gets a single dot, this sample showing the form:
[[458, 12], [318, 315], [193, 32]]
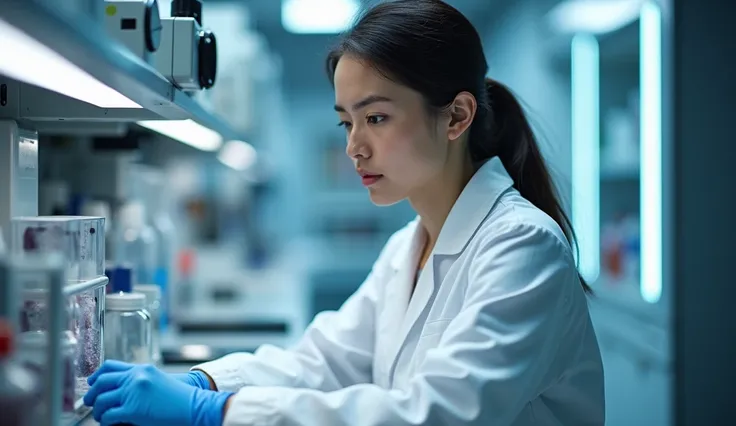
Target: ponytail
[[505, 132]]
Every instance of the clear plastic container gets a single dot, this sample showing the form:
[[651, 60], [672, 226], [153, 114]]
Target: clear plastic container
[[99, 208], [20, 390], [84, 319], [127, 328], [80, 239], [91, 329], [153, 307], [34, 312], [33, 351]]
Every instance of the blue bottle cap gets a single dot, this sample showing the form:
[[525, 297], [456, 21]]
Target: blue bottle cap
[[122, 279]]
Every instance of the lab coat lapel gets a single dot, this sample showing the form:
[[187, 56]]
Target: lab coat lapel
[[423, 293], [471, 208], [399, 288]]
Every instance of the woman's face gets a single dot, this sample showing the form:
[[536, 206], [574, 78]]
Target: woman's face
[[396, 147]]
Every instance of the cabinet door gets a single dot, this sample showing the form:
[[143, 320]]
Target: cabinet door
[[637, 369], [637, 392]]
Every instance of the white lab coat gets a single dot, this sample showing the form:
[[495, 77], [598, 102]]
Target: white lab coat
[[497, 333]]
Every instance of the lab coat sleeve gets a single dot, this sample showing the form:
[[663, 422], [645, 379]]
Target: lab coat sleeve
[[335, 351], [494, 358]]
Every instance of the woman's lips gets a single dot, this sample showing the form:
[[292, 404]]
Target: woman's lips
[[369, 180]]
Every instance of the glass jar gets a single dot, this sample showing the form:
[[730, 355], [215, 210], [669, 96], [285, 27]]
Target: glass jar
[[153, 307], [127, 328], [33, 352]]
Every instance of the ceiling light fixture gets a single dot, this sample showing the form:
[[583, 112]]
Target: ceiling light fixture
[[318, 16], [186, 131], [593, 16], [30, 61]]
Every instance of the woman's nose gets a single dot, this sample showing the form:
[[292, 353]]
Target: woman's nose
[[356, 147]]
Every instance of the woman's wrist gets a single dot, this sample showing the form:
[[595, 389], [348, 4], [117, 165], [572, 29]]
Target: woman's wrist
[[226, 407], [204, 381]]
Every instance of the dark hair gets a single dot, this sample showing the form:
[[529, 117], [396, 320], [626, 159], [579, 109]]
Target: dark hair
[[429, 46]]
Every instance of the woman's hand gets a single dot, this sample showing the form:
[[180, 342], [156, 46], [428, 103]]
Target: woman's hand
[[142, 394]]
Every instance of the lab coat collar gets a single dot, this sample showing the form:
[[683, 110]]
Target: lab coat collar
[[473, 206], [409, 253], [475, 202]]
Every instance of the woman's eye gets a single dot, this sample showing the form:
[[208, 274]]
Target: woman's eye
[[375, 119], [344, 124]]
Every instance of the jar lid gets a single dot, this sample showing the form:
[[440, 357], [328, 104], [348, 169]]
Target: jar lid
[[151, 291], [39, 339], [125, 302]]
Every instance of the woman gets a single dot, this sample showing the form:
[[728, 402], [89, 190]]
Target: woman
[[473, 314]]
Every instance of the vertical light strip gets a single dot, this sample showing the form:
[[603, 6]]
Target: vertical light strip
[[650, 82], [586, 153]]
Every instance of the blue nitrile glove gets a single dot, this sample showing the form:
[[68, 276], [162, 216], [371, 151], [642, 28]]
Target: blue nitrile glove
[[193, 378], [144, 395]]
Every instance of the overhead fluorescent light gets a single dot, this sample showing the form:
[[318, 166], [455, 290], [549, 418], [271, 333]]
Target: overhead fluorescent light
[[32, 62], [593, 16], [186, 131], [318, 16], [586, 153], [650, 190], [237, 155]]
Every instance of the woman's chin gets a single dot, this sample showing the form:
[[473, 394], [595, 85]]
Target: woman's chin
[[381, 200]]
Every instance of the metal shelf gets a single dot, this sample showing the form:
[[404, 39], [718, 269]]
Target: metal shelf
[[84, 43]]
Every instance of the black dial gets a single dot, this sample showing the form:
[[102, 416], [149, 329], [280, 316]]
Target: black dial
[[153, 26], [207, 59]]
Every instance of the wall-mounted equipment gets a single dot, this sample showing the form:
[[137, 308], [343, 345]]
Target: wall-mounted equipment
[[188, 53], [136, 24]]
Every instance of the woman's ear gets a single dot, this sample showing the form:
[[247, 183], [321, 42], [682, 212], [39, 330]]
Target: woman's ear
[[462, 111]]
